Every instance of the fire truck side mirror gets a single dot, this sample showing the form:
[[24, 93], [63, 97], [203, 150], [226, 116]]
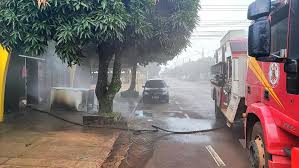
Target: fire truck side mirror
[[258, 9], [259, 38]]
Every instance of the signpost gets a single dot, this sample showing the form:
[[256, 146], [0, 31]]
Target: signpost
[[4, 61]]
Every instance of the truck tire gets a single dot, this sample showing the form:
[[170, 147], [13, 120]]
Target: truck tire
[[258, 155]]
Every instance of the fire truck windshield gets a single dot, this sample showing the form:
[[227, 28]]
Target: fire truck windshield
[[294, 30], [279, 33], [279, 29]]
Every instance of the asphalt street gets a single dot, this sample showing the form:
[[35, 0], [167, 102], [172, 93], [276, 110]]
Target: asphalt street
[[190, 108]]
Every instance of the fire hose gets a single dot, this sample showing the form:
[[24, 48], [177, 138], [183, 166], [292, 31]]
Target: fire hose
[[156, 128]]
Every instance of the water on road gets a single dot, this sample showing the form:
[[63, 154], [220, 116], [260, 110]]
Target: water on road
[[190, 108]]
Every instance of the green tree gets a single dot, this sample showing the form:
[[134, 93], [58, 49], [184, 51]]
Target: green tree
[[173, 22], [112, 27], [72, 24]]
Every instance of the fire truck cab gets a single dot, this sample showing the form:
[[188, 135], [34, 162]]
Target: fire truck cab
[[270, 109], [272, 96]]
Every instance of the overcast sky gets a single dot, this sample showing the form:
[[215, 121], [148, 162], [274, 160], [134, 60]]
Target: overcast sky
[[216, 18]]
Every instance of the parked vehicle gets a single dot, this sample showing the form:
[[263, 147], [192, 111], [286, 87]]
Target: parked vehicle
[[263, 90], [155, 90]]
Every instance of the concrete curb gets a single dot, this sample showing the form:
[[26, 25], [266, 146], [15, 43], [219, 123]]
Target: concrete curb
[[120, 146]]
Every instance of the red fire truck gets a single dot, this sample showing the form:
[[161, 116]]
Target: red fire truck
[[262, 89]]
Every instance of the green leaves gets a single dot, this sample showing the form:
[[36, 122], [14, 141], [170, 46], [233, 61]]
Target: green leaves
[[69, 53], [161, 29], [20, 28], [104, 4], [65, 34], [173, 22], [70, 23]]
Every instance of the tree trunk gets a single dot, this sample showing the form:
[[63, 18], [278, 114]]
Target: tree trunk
[[102, 81], [106, 92], [133, 77], [115, 84]]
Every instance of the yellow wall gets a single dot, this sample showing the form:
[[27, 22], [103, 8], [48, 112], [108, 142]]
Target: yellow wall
[[4, 60]]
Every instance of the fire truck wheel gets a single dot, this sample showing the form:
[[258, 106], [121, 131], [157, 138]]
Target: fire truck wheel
[[258, 155]]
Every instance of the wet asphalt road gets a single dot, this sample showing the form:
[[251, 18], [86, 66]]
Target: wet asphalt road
[[190, 108]]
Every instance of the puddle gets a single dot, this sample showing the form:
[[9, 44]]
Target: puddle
[[178, 114], [141, 113], [183, 124], [190, 139], [171, 114]]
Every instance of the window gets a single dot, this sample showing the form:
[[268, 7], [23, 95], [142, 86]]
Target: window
[[155, 84], [236, 69], [279, 29], [294, 33], [279, 33]]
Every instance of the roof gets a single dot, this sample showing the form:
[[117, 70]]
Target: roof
[[240, 45], [233, 34]]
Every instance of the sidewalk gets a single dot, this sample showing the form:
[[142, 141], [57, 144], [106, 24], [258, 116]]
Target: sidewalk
[[38, 140]]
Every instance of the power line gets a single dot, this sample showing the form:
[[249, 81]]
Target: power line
[[225, 21], [223, 7], [205, 38], [203, 35], [238, 26], [222, 25], [209, 31], [227, 2], [241, 22], [221, 10], [199, 34], [220, 7], [226, 5]]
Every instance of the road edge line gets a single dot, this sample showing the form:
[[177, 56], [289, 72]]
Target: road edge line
[[215, 156]]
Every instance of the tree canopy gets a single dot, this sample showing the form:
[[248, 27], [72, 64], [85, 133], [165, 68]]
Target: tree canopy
[[173, 23], [162, 29], [153, 30], [70, 23]]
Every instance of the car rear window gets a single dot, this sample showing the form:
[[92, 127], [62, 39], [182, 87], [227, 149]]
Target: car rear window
[[155, 84]]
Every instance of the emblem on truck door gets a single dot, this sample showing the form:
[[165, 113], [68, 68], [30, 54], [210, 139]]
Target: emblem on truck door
[[274, 73]]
